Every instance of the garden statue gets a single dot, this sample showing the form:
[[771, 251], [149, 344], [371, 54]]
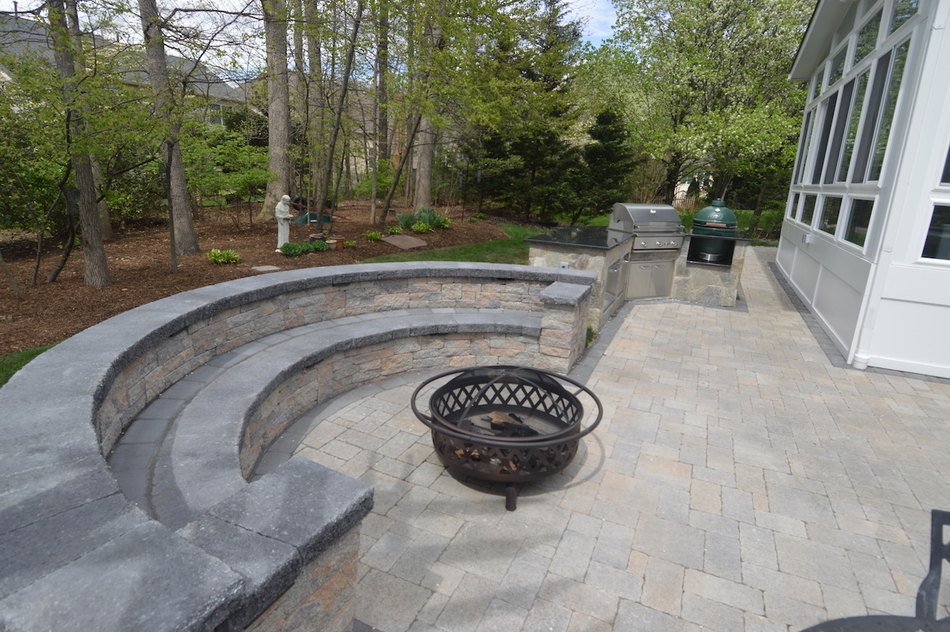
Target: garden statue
[[283, 215]]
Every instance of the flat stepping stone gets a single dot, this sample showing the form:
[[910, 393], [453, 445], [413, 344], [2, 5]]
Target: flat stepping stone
[[404, 242], [265, 269]]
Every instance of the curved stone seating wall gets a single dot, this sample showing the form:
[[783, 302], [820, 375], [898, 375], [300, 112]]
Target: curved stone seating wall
[[250, 402], [76, 554]]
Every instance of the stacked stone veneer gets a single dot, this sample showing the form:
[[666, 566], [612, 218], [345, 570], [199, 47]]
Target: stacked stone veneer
[[711, 285], [343, 371], [78, 556]]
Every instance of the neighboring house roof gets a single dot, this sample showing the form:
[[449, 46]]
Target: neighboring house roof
[[20, 37], [816, 44]]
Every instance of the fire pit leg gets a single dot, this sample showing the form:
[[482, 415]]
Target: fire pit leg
[[511, 497]]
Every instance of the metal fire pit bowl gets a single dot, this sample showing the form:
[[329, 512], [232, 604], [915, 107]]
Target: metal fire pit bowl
[[506, 424]]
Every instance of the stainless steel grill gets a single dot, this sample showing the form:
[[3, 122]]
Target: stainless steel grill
[[654, 226], [657, 239]]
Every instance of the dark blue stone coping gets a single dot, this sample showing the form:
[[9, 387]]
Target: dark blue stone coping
[[127, 571], [560, 293]]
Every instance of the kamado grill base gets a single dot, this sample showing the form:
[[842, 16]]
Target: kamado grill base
[[505, 424]]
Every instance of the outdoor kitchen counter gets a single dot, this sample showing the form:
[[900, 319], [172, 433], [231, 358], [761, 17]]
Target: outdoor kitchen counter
[[582, 236]]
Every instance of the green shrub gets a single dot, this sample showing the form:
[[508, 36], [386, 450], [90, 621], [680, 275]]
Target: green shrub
[[421, 227], [223, 256], [295, 250], [394, 230], [770, 223], [744, 220], [686, 217], [428, 216], [373, 235], [349, 243], [433, 219], [406, 220], [292, 250], [477, 217]]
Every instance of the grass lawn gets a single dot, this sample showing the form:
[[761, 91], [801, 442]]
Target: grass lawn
[[11, 363], [511, 250]]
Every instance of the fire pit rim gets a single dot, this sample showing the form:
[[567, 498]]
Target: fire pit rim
[[508, 442]]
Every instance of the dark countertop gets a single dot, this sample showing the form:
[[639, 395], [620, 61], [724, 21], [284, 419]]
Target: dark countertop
[[598, 237]]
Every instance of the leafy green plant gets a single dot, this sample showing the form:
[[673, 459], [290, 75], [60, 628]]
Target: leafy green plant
[[428, 216], [686, 217], [406, 220], [770, 223], [221, 257], [295, 250], [349, 243], [421, 227], [394, 230], [478, 217], [373, 235], [433, 219]]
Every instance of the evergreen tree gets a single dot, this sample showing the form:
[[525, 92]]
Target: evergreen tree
[[608, 161]]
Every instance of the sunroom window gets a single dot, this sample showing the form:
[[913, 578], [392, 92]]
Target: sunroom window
[[853, 120], [828, 114], [867, 37], [880, 147], [903, 11], [837, 65], [858, 221], [808, 209], [937, 242], [945, 178], [803, 147], [830, 209]]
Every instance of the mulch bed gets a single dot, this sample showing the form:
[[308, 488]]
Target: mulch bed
[[139, 264]]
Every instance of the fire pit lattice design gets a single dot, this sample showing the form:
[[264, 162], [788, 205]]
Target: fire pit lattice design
[[505, 423]]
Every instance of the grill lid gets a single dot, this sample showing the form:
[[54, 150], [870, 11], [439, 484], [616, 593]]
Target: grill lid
[[645, 218]]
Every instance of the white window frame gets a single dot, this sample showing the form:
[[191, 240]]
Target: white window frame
[[820, 89]]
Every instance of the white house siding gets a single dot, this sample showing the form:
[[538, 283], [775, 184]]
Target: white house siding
[[880, 302], [908, 324]]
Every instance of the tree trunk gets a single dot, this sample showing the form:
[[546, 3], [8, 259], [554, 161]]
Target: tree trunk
[[11, 279], [105, 223], [674, 169], [402, 163], [278, 105], [382, 90], [300, 97], [180, 212], [426, 152], [315, 95], [94, 256], [324, 188]]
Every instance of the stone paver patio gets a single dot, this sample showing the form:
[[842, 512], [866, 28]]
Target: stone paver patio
[[740, 480]]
